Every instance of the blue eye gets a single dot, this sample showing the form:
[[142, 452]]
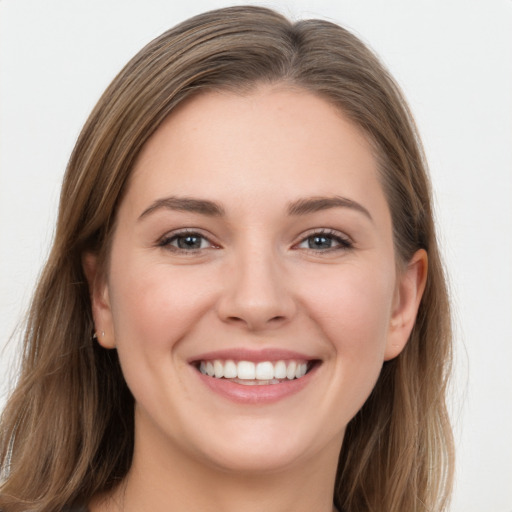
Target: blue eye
[[325, 241], [187, 241]]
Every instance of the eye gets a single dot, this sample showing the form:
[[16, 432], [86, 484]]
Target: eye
[[186, 241], [322, 241]]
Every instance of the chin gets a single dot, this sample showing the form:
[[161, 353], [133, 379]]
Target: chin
[[255, 461], [259, 449]]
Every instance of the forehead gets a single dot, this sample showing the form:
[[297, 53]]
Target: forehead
[[277, 142]]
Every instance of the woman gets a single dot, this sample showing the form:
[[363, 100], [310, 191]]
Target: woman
[[244, 306]]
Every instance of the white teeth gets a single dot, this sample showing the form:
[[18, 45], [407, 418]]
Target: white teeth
[[264, 372], [230, 370], [290, 370], [280, 370], [219, 369], [246, 370]]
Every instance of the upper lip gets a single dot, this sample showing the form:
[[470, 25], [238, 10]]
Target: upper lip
[[244, 354]]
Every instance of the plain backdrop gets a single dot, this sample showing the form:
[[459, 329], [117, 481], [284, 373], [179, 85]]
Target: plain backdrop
[[453, 59]]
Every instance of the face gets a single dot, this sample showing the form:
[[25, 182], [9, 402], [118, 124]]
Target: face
[[252, 290]]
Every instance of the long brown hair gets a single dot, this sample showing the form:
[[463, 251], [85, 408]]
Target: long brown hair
[[67, 431]]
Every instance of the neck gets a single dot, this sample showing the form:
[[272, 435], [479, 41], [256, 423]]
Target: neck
[[167, 479]]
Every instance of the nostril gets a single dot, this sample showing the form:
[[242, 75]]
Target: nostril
[[272, 319], [252, 322], [235, 319], [277, 319]]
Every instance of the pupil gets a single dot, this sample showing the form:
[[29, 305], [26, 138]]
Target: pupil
[[320, 242], [189, 242]]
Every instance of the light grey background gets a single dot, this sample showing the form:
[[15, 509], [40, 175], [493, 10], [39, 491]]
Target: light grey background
[[453, 58]]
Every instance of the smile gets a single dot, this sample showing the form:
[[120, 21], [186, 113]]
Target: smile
[[254, 377], [250, 373]]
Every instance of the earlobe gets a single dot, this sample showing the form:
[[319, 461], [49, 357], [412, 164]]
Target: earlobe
[[410, 287], [100, 300]]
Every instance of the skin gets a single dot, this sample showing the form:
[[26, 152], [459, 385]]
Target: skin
[[255, 283]]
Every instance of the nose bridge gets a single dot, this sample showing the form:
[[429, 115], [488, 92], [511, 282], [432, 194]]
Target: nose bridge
[[256, 293]]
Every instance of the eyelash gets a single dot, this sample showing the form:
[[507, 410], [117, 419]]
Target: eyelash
[[167, 240], [344, 243]]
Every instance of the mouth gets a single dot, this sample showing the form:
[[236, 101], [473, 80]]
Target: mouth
[[255, 377], [256, 373]]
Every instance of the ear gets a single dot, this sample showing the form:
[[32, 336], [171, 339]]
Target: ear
[[409, 289], [100, 301]]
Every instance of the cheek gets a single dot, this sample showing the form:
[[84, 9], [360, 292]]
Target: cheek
[[353, 309], [154, 305]]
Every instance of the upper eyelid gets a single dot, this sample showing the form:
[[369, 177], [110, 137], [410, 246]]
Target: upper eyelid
[[325, 231], [344, 243], [185, 231], [170, 235]]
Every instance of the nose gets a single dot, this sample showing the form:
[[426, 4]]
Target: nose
[[256, 293]]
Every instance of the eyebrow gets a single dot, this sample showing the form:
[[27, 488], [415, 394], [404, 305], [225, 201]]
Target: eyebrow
[[301, 206], [185, 204], [316, 204]]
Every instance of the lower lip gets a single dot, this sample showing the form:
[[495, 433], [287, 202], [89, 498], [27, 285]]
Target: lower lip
[[256, 394]]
